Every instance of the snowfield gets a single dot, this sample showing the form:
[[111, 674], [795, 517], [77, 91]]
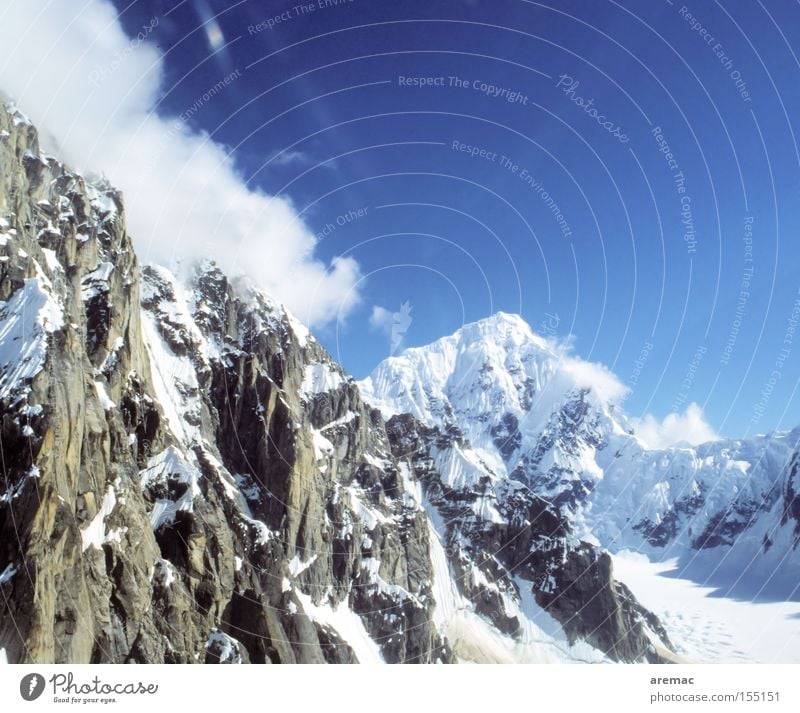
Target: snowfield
[[707, 627]]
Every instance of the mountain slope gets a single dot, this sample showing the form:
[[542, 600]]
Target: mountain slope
[[502, 430], [533, 414], [187, 476], [527, 458]]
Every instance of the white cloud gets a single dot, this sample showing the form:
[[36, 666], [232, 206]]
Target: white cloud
[[381, 318], [591, 375], [688, 427], [575, 372], [393, 324], [94, 90]]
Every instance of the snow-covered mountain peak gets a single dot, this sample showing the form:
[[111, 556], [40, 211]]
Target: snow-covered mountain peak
[[503, 325], [500, 333], [496, 373], [525, 407], [477, 367], [528, 411]]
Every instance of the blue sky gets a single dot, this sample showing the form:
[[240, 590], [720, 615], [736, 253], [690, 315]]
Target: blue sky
[[584, 221]]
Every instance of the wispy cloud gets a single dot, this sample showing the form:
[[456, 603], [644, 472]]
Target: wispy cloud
[[298, 159]]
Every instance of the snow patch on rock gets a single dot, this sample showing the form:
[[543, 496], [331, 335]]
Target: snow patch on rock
[[26, 320]]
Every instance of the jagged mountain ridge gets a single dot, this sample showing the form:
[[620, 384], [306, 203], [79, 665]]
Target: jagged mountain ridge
[[176, 485], [527, 414], [188, 477]]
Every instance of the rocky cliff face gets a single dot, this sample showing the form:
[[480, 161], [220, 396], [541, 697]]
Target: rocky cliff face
[[511, 551], [187, 476]]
